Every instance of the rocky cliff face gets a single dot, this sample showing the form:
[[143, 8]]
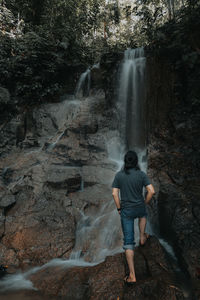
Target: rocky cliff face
[[173, 160], [54, 166]]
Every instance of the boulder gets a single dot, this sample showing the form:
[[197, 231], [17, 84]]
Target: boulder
[[98, 174], [105, 280], [6, 200], [68, 178], [39, 237]]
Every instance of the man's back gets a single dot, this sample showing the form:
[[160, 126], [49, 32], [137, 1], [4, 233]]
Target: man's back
[[131, 187]]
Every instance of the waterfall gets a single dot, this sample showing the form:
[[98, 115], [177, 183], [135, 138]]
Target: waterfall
[[83, 86], [98, 235], [131, 98], [84, 82], [131, 107]]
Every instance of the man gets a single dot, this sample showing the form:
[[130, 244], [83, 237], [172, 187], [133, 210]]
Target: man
[[130, 182]]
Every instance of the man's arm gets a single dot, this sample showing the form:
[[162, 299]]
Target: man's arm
[[115, 193], [150, 193]]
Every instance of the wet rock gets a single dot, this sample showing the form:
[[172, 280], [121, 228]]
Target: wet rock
[[7, 200], [153, 289], [174, 163], [96, 78], [29, 142], [49, 185], [105, 280], [49, 118], [95, 195], [85, 126], [175, 201], [25, 295], [99, 174], [2, 223], [39, 237], [101, 281], [68, 178], [8, 135], [36, 228], [8, 256]]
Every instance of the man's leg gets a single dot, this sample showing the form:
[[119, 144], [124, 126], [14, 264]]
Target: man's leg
[[129, 243], [130, 261], [142, 224]]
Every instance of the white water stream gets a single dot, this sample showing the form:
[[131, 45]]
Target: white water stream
[[130, 105], [101, 231], [84, 83], [20, 281], [131, 99], [83, 86]]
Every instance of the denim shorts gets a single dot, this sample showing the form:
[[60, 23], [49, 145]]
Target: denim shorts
[[128, 215]]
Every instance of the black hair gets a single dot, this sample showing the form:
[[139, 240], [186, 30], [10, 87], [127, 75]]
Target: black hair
[[130, 161]]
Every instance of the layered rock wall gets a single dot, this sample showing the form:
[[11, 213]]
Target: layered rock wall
[[56, 171], [173, 159]]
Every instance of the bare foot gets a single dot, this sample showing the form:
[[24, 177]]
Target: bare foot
[[129, 279], [143, 238]]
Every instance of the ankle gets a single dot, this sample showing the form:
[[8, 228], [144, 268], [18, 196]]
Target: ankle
[[132, 275]]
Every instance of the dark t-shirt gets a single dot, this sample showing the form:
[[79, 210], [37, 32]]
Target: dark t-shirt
[[131, 187]]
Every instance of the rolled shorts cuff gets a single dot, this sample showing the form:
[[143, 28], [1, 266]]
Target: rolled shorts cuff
[[130, 246]]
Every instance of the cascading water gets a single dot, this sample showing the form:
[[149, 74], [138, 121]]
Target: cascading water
[[84, 83], [131, 100], [131, 104], [99, 234], [131, 109], [83, 86]]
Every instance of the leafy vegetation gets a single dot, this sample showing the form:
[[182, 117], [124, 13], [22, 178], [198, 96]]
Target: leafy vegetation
[[39, 39], [30, 65], [178, 42]]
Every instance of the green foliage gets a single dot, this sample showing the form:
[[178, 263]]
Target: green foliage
[[178, 42], [180, 38], [30, 66], [31, 63], [6, 19], [40, 38]]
